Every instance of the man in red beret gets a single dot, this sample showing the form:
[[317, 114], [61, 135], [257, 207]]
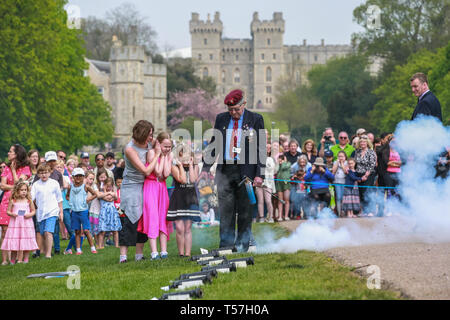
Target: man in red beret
[[237, 152]]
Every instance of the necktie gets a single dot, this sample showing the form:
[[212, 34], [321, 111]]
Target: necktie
[[234, 138]]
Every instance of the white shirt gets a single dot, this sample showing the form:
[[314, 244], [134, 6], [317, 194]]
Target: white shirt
[[47, 196]]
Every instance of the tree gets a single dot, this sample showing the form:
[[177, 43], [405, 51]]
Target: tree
[[344, 86], [406, 26], [195, 103], [397, 102], [181, 77], [45, 101], [124, 21], [301, 111]]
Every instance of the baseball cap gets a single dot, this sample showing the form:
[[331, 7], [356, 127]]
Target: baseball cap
[[328, 153], [84, 155], [77, 172], [50, 155]]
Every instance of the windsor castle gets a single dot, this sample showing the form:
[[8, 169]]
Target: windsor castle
[[255, 64]]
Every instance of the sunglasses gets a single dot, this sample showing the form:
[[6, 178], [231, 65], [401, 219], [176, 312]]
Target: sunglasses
[[344, 138], [62, 158], [2, 167], [100, 159]]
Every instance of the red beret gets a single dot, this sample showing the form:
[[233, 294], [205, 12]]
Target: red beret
[[234, 97]]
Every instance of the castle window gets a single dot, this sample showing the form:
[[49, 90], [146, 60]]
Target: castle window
[[223, 76], [315, 57], [205, 72], [274, 56], [223, 57], [297, 76], [211, 57], [199, 56], [205, 41], [134, 112], [269, 74], [269, 89], [268, 42], [101, 90], [237, 75], [262, 56], [237, 57]]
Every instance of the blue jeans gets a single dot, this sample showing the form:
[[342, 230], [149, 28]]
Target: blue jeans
[[67, 221]]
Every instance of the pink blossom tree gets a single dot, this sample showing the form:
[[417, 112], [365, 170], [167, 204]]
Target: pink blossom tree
[[195, 103]]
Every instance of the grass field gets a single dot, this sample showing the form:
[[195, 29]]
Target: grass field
[[301, 275]]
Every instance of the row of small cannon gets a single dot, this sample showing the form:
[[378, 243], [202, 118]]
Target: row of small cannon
[[213, 263]]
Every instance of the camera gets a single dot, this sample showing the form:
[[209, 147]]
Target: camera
[[327, 138]]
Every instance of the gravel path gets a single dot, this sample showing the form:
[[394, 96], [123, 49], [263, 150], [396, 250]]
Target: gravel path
[[419, 269]]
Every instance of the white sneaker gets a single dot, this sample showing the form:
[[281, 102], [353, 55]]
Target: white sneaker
[[270, 220], [261, 220]]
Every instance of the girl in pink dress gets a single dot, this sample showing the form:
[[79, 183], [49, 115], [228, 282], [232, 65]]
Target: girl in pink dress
[[17, 168], [156, 199], [20, 237]]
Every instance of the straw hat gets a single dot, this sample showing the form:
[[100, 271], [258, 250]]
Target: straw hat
[[319, 162]]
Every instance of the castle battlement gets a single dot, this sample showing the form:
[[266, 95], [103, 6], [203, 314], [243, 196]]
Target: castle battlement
[[208, 26], [274, 25], [155, 69], [127, 53]]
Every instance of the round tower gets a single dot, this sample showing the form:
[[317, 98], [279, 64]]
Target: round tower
[[126, 89]]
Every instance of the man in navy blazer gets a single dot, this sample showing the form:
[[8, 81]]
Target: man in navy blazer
[[427, 103], [235, 146]]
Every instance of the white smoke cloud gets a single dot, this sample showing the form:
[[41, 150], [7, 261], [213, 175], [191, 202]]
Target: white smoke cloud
[[423, 214]]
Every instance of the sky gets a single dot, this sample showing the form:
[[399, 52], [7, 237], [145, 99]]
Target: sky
[[331, 20]]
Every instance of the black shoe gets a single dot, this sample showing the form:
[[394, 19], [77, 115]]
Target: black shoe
[[36, 255], [57, 252]]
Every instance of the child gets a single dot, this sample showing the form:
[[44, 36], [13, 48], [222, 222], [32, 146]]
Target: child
[[94, 211], [77, 197], [283, 187], [94, 205], [207, 216], [183, 204], [108, 219], [156, 199], [339, 169], [20, 236], [46, 193], [299, 193], [350, 200], [65, 225]]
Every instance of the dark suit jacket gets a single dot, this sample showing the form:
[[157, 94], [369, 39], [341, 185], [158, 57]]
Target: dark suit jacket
[[249, 144], [428, 105]]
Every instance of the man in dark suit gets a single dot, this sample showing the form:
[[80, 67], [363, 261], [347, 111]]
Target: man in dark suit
[[427, 103], [235, 146]]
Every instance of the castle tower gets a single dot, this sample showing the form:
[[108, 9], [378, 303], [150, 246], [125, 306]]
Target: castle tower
[[268, 58], [126, 89], [206, 45], [155, 95]]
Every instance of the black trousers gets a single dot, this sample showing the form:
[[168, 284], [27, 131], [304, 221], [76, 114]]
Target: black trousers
[[233, 200]]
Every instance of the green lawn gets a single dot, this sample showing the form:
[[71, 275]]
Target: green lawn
[[302, 275]]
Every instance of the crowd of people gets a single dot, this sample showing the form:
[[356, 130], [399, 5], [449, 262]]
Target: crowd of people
[[341, 174]]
